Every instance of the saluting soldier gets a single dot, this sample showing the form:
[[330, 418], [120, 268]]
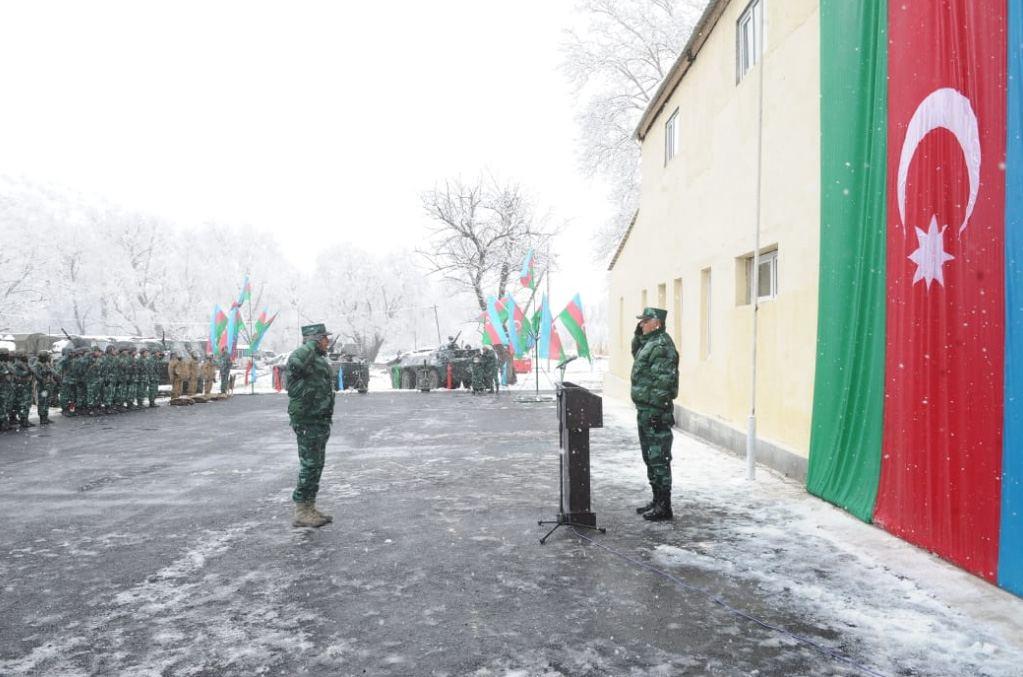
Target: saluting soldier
[[310, 411], [654, 389]]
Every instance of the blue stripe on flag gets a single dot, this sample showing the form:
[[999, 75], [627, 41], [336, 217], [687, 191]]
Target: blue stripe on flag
[[1010, 552]]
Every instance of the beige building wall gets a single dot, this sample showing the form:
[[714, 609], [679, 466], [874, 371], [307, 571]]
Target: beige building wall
[[696, 223]]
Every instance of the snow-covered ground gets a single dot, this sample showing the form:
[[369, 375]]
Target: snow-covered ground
[[917, 613]]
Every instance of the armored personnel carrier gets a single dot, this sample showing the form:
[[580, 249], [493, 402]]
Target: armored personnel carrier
[[410, 367], [354, 370]]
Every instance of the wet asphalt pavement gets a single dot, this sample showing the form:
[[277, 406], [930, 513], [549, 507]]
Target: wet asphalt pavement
[[159, 543]]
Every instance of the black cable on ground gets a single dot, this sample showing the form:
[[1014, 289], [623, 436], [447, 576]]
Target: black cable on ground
[[727, 607]]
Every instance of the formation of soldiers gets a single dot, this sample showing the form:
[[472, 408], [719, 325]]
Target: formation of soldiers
[[18, 379], [190, 374], [95, 381], [484, 372]]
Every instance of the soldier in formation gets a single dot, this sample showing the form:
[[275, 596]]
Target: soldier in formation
[[209, 373]]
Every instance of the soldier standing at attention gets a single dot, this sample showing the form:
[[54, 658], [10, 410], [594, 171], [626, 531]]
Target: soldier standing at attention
[[23, 378], [6, 389], [46, 383], [654, 389], [93, 372], [63, 368], [311, 411], [80, 370], [108, 368], [172, 375], [209, 372], [225, 371], [151, 367]]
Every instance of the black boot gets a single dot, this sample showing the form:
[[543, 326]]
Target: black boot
[[649, 506], [661, 511]]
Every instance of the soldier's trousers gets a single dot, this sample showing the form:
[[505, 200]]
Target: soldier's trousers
[[43, 404], [655, 440], [94, 392], [82, 395], [141, 388], [67, 394], [152, 388], [6, 400], [22, 401], [312, 447], [176, 387]]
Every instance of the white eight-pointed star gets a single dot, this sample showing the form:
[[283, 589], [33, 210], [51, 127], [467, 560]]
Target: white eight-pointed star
[[930, 255]]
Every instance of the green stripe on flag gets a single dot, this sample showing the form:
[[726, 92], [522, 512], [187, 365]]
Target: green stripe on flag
[[845, 441]]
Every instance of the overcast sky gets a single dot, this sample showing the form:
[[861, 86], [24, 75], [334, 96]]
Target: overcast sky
[[319, 121]]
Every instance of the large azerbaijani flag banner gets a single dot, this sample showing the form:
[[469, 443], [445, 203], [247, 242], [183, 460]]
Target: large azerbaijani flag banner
[[918, 399]]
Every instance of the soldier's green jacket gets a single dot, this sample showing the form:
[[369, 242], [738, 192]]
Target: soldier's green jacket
[[310, 386], [654, 371]]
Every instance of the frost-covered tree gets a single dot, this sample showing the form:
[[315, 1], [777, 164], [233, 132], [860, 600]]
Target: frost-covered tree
[[615, 64], [480, 233]]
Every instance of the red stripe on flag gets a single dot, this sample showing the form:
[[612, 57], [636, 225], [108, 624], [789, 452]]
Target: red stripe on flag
[[942, 442], [576, 312]]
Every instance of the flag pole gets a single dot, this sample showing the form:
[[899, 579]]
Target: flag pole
[[252, 356]]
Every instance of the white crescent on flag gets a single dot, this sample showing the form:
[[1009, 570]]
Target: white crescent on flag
[[945, 108]]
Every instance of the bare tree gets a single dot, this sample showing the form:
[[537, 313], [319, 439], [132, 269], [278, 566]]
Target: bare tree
[[481, 231], [615, 66]]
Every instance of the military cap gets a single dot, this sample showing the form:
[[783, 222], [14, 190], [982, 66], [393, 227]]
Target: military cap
[[314, 331], [94, 347], [110, 349], [653, 313]]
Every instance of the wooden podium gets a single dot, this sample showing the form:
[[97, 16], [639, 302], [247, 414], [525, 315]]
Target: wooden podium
[[578, 411]]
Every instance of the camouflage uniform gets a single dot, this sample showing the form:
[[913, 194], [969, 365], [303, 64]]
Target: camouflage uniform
[[23, 379], [80, 371], [654, 388], [173, 373], [67, 385], [6, 388], [46, 383], [209, 373], [107, 371], [94, 382], [489, 362], [225, 371], [310, 411]]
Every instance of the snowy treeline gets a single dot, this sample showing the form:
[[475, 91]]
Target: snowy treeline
[[615, 64], [95, 268]]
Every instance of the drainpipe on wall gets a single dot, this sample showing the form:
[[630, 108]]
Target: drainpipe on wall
[[754, 278]]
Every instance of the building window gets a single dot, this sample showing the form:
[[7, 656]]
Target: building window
[[662, 295], [671, 137], [749, 38], [767, 280], [705, 313]]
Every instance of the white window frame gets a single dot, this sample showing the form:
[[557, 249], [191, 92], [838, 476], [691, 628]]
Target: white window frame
[[671, 137], [770, 259], [749, 38]]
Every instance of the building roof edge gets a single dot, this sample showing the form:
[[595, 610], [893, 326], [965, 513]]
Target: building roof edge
[[704, 27]]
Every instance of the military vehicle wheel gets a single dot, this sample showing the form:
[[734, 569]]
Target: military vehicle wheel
[[407, 381]]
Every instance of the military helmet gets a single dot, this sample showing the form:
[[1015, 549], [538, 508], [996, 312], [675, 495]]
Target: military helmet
[[110, 350], [20, 355], [66, 350], [43, 355]]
